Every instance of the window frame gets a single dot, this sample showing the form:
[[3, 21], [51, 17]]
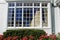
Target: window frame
[[49, 15]]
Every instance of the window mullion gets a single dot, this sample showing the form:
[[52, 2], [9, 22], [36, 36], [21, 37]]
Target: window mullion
[[33, 16], [15, 15], [22, 14], [41, 15], [49, 15]]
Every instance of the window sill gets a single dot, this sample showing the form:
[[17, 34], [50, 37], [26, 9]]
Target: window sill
[[28, 28]]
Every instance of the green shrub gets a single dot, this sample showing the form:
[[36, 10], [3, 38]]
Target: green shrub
[[24, 32]]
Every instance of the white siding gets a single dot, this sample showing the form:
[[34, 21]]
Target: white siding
[[57, 18], [3, 17]]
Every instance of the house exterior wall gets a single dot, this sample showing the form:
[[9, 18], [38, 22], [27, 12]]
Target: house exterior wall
[[57, 17], [4, 13], [3, 16], [57, 20]]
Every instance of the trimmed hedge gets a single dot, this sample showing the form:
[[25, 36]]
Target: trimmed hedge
[[24, 32]]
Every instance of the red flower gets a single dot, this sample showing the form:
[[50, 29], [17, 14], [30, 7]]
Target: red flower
[[1, 37], [9, 38], [42, 36], [5, 39], [31, 37], [15, 38], [41, 39], [25, 38], [53, 37]]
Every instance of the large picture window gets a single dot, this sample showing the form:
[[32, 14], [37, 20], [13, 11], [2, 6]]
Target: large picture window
[[27, 14]]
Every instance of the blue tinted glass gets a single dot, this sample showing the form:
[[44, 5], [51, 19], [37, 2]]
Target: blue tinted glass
[[11, 4], [11, 10], [20, 22], [31, 11], [31, 15], [18, 10], [27, 23], [30, 18], [18, 18], [25, 10], [28, 13], [34, 10], [18, 4], [27, 18], [19, 14]]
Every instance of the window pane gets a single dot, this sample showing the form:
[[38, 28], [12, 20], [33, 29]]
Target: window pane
[[10, 17], [10, 22], [18, 17], [27, 17], [11, 10], [44, 4], [11, 4], [36, 17], [44, 17], [27, 4], [18, 4], [36, 4]]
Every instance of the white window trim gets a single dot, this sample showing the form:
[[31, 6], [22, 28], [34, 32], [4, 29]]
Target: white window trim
[[49, 17]]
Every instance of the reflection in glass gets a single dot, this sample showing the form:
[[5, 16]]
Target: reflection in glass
[[36, 19], [18, 17], [44, 17], [27, 17]]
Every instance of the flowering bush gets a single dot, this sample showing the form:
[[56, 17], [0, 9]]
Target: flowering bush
[[45, 37], [52, 37], [31, 37], [25, 38], [15, 37], [1, 37], [24, 32], [9, 38], [27, 34]]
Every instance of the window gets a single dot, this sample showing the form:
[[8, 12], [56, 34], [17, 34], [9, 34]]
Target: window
[[27, 14], [44, 4], [36, 4], [11, 17], [18, 4], [27, 4], [36, 16], [44, 17], [11, 5], [18, 17], [44, 14]]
